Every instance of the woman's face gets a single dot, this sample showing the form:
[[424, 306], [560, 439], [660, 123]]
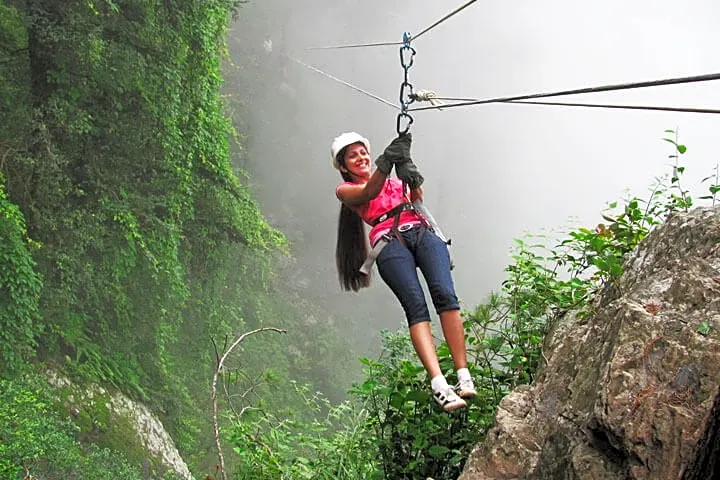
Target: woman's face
[[358, 161]]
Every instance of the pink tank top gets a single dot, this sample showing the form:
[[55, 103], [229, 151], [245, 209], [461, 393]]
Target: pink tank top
[[389, 197]]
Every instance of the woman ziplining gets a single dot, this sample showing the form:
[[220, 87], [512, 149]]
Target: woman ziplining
[[404, 238], [402, 241]]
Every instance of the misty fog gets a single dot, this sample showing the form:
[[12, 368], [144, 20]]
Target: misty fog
[[493, 172]]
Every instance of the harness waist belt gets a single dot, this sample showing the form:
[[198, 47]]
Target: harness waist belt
[[403, 207]]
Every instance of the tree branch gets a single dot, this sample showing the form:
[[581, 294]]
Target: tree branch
[[218, 369]]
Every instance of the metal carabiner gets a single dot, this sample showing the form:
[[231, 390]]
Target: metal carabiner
[[407, 95], [407, 63], [399, 129]]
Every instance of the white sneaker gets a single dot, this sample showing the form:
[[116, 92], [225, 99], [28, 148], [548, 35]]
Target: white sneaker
[[466, 388], [448, 399]]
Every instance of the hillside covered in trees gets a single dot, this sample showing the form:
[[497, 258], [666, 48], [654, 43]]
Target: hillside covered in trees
[[130, 249]]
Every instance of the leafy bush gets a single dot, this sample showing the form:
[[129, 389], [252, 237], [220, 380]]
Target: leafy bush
[[412, 437], [20, 286], [36, 443], [313, 440]]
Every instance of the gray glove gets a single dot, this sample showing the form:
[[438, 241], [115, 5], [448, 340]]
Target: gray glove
[[409, 173], [383, 164], [398, 151]]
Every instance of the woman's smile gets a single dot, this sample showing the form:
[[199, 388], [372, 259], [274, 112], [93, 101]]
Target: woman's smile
[[357, 160]]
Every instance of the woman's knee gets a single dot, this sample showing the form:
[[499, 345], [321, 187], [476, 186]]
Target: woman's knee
[[444, 298], [417, 321]]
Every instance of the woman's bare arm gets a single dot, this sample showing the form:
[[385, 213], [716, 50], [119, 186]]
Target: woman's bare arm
[[359, 193], [416, 194]]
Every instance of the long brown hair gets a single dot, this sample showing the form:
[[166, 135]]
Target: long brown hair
[[352, 246]]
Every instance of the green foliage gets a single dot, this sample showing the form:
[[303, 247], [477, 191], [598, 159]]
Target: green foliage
[[115, 148], [679, 198], [703, 329], [314, 440], [13, 90], [714, 187], [20, 287], [411, 435], [36, 443]]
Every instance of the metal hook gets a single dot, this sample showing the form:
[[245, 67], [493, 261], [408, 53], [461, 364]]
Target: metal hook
[[399, 129]]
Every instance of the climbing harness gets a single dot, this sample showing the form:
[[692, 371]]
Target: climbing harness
[[425, 213], [403, 207], [396, 231]]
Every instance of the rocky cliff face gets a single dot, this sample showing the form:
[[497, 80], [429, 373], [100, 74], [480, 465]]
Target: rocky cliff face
[[630, 391], [112, 420]]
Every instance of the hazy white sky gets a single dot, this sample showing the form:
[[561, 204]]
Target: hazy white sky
[[495, 172]]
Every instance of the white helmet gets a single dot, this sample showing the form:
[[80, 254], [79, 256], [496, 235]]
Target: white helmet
[[342, 141]]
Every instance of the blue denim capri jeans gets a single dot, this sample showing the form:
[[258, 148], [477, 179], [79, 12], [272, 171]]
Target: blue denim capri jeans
[[398, 264]]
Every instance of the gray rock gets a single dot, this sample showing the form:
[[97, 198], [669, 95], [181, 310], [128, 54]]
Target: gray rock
[[113, 409]]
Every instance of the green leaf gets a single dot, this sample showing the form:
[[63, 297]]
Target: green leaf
[[681, 148], [703, 329], [366, 361], [417, 396], [438, 450]]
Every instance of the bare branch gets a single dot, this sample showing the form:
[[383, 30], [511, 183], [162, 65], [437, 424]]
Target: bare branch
[[255, 382], [218, 369]]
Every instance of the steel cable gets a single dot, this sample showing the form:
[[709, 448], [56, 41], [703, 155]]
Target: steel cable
[[446, 17], [604, 88], [626, 107], [356, 88], [526, 99], [385, 44]]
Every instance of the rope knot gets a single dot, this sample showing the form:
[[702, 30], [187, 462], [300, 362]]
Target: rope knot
[[427, 96]]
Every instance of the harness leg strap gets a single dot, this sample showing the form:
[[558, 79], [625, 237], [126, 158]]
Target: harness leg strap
[[372, 256], [423, 210]]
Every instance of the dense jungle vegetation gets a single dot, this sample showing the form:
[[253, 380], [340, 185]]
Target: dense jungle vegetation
[[132, 254]]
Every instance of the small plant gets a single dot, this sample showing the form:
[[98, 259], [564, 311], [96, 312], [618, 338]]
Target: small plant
[[714, 187], [703, 329], [682, 199]]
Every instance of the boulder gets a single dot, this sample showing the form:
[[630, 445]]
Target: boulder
[[630, 390]]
